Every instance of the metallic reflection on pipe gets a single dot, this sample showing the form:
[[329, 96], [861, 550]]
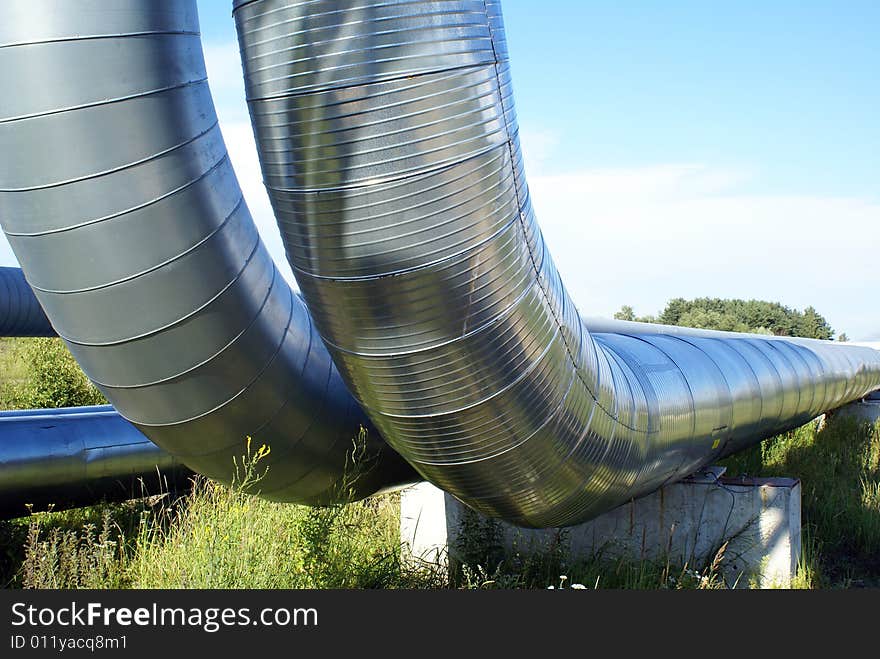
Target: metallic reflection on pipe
[[389, 146], [635, 328], [125, 214], [20, 313], [78, 456]]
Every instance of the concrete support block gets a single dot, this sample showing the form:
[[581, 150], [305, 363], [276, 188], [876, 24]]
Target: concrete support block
[[864, 410], [759, 521]]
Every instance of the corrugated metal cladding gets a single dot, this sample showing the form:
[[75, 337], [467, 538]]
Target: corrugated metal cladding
[[389, 146], [124, 212], [20, 313], [388, 141]]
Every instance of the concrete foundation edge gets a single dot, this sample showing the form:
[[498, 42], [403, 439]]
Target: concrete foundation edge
[[750, 528]]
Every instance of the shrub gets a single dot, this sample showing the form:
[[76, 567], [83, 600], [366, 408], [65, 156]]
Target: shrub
[[222, 537], [52, 378], [72, 558]]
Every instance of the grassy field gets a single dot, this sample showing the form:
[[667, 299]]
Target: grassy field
[[13, 369], [839, 468], [218, 537]]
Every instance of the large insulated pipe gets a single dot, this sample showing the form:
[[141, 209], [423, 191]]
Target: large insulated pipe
[[78, 456], [121, 205], [389, 146], [60, 458], [20, 313]]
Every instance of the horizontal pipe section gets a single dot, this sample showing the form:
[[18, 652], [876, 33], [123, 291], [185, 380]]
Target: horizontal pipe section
[[389, 146], [78, 456], [125, 214], [20, 312]]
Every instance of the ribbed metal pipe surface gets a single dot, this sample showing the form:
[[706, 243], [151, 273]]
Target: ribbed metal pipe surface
[[20, 313], [78, 456], [121, 205], [388, 142]]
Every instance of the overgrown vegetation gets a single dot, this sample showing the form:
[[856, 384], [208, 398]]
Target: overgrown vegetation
[[216, 537], [479, 561], [220, 537], [755, 316], [839, 469], [43, 373]]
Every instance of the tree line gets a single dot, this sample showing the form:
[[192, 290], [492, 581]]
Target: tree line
[[756, 316]]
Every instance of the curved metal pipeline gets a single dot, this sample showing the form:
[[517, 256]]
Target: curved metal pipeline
[[73, 456], [78, 456], [406, 164], [119, 201], [20, 313], [388, 142]]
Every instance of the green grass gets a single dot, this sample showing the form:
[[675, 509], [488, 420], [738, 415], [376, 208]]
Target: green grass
[[214, 537], [839, 469], [220, 537], [13, 370]]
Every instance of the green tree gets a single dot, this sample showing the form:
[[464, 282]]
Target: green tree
[[814, 326], [671, 315], [626, 313], [52, 378], [711, 319], [735, 315]]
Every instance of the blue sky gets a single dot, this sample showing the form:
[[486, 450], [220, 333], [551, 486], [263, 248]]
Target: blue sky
[[678, 149], [689, 148], [787, 88]]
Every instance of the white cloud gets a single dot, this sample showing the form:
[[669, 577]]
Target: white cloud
[[539, 144], [223, 63], [641, 236], [6, 255], [227, 88], [242, 149]]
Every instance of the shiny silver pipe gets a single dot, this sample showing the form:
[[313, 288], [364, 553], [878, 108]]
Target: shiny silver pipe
[[389, 146], [78, 456], [20, 313], [122, 207], [635, 328], [73, 456]]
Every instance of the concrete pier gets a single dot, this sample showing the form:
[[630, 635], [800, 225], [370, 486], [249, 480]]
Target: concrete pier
[[756, 521], [867, 409]]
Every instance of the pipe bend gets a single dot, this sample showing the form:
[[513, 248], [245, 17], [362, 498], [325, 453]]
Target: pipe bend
[[20, 312], [124, 210], [392, 160]]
